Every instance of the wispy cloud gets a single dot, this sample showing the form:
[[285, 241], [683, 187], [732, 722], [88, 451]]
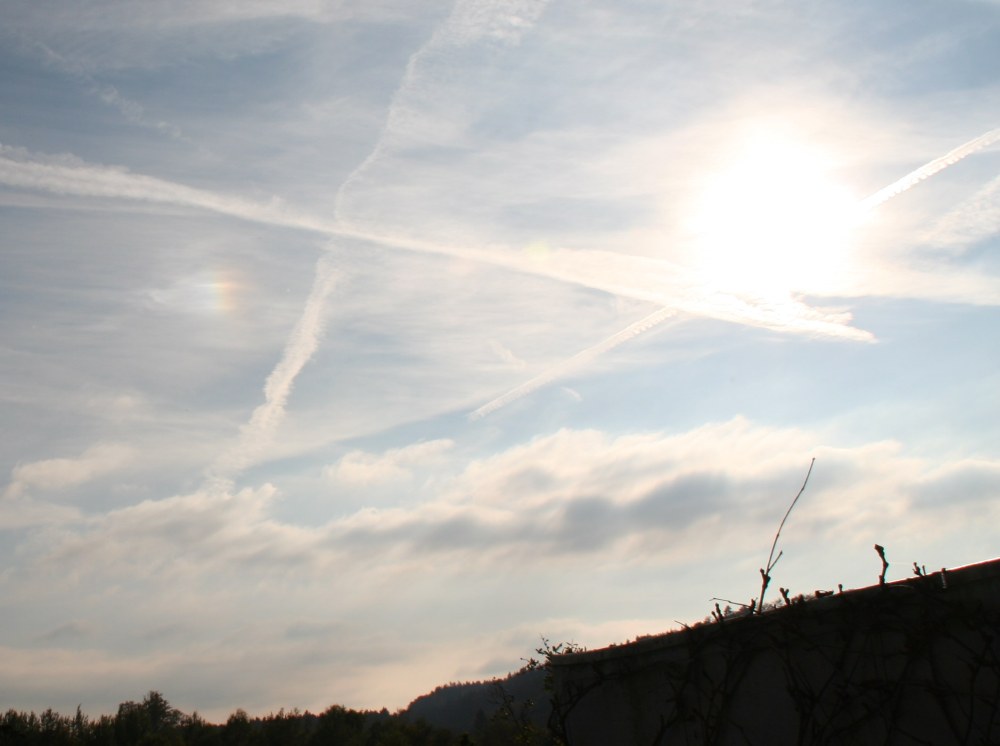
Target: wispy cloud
[[130, 109], [107, 36], [407, 122], [362, 468], [68, 175], [974, 220], [190, 13], [61, 473]]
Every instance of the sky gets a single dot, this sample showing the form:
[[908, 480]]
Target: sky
[[349, 348]]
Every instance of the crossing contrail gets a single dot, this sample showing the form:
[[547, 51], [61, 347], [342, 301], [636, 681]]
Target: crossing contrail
[[631, 276], [582, 358]]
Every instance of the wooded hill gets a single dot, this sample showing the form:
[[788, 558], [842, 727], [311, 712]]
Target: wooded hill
[[487, 713]]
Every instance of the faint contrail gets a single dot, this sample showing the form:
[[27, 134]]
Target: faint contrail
[[577, 361], [468, 21], [929, 169], [255, 435], [392, 116], [131, 110], [68, 175]]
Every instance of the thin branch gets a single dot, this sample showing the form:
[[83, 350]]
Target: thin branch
[[736, 603], [802, 489], [765, 575]]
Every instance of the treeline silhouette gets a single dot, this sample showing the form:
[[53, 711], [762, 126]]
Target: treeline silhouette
[[154, 722]]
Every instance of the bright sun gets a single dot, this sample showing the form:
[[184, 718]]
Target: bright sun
[[771, 222]]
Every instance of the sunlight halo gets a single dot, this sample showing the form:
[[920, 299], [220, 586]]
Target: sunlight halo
[[771, 222]]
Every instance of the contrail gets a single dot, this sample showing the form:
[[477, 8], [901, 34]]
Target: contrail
[[793, 321], [468, 22], [929, 169], [303, 341], [68, 175], [255, 435], [577, 361], [131, 110], [622, 275], [392, 116]]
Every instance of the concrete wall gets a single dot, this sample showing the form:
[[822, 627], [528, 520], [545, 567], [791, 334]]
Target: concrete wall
[[911, 662]]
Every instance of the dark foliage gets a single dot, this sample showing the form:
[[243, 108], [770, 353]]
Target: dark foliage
[[502, 718]]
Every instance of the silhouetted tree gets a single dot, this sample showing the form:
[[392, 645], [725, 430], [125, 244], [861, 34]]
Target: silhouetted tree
[[238, 730], [338, 725]]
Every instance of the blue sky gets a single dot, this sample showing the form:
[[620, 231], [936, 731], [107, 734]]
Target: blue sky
[[349, 347]]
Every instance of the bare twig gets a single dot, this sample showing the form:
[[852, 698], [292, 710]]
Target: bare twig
[[735, 603], [765, 575], [885, 563]]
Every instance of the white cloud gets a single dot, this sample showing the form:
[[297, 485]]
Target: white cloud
[[674, 510], [62, 473], [395, 465], [202, 533], [20, 512], [649, 495], [507, 356]]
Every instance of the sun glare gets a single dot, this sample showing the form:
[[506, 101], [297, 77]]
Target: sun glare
[[771, 223]]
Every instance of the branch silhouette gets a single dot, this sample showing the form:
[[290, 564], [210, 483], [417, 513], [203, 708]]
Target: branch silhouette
[[765, 574]]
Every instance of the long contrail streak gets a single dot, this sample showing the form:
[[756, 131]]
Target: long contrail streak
[[929, 169], [256, 434], [577, 361]]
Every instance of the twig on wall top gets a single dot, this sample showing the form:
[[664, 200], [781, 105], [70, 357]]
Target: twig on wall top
[[765, 574], [885, 563]]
